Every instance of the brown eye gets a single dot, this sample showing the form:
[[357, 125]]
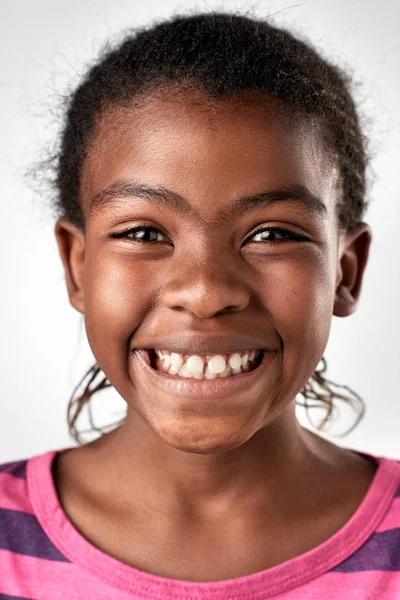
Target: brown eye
[[142, 234], [269, 234]]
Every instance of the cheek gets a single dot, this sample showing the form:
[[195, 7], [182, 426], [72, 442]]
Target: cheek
[[299, 295], [301, 300], [117, 294]]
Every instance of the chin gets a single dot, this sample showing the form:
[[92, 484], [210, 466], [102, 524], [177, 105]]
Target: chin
[[203, 442]]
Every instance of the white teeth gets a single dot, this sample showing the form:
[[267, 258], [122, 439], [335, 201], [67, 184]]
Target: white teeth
[[198, 368], [176, 360], [236, 361], [227, 371], [209, 375], [195, 364], [217, 364], [197, 375], [184, 371], [166, 358]]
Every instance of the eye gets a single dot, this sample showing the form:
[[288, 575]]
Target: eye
[[143, 234], [273, 232]]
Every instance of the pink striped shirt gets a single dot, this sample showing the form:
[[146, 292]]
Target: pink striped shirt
[[43, 556]]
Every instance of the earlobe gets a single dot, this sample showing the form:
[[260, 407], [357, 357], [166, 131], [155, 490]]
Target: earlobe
[[353, 256], [71, 244]]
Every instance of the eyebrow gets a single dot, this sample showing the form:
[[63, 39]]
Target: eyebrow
[[161, 197]]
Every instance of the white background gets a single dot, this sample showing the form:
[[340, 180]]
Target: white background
[[44, 46]]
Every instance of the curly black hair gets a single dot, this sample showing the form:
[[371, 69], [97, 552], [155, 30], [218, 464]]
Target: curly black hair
[[222, 54]]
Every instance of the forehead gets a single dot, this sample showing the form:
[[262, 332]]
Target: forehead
[[207, 151]]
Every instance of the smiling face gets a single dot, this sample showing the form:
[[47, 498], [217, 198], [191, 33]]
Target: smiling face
[[206, 269]]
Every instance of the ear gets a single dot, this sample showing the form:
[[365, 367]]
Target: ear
[[353, 257], [71, 244]]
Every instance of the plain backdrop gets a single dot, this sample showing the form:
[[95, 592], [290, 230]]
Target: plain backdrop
[[44, 47]]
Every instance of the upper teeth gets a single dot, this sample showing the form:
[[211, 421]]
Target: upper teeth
[[215, 363]]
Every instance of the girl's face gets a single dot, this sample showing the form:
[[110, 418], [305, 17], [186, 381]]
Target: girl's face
[[206, 270]]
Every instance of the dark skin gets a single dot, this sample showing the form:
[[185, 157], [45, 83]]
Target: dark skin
[[183, 490]]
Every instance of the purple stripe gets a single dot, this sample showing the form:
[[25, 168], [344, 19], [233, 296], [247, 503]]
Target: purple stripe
[[397, 494], [16, 468], [381, 552], [5, 597], [21, 533]]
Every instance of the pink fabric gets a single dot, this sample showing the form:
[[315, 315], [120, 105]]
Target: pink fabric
[[43, 556]]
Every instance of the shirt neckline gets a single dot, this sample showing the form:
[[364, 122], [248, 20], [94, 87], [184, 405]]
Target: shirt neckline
[[257, 586]]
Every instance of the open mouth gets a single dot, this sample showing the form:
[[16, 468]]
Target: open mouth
[[222, 367], [193, 389]]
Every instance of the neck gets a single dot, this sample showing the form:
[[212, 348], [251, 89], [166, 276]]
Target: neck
[[133, 465]]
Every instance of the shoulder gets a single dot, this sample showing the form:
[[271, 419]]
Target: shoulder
[[19, 479], [17, 518], [14, 487], [391, 519], [23, 493], [28, 556], [384, 500]]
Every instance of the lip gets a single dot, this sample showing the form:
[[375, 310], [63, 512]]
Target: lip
[[207, 344], [205, 389]]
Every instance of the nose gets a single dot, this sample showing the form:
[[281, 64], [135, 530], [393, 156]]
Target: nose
[[204, 287]]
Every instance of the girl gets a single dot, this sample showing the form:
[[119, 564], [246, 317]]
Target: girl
[[210, 194]]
